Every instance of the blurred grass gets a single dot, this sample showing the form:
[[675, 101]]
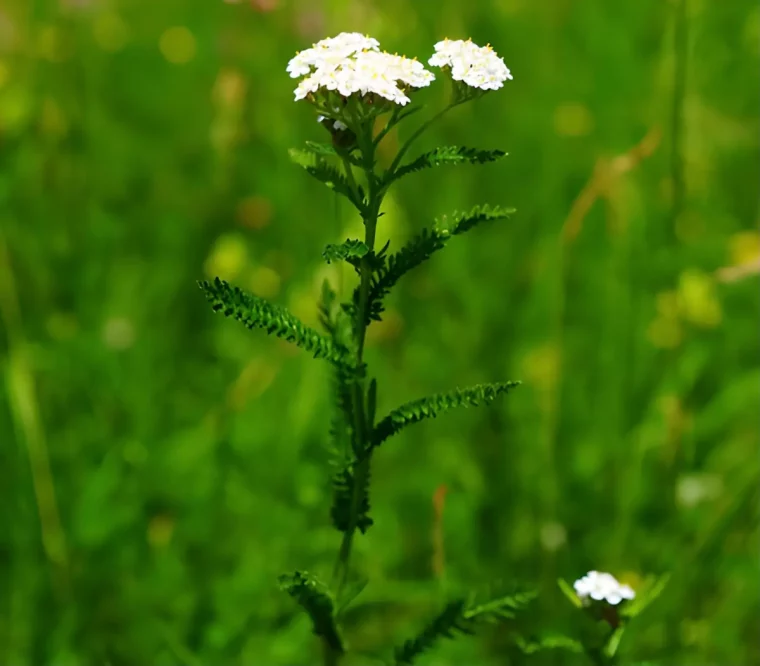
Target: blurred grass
[[160, 467]]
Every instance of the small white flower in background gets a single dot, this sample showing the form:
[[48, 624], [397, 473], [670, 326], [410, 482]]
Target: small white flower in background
[[352, 64], [476, 66], [602, 587]]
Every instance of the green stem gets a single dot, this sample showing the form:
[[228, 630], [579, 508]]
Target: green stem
[[414, 137], [362, 436]]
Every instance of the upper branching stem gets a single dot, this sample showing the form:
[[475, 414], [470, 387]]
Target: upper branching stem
[[402, 151]]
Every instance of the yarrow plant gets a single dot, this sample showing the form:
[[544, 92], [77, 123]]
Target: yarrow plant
[[607, 605], [351, 85]]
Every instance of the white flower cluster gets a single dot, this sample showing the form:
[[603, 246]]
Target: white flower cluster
[[602, 587], [329, 53], [478, 67], [351, 63]]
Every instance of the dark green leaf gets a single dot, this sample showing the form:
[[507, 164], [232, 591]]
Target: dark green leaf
[[450, 155], [460, 618], [448, 624], [432, 406], [324, 172], [255, 312], [315, 599]]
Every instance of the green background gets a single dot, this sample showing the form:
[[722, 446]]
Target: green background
[[160, 465]]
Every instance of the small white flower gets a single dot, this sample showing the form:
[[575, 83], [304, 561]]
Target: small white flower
[[602, 587], [477, 66], [330, 53]]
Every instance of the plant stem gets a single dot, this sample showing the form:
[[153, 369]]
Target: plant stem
[[361, 436], [414, 137]]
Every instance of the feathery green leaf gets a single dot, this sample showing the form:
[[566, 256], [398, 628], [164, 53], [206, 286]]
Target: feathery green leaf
[[502, 607], [319, 168], [422, 247], [432, 406], [314, 597], [451, 155], [460, 618], [461, 222], [351, 250], [450, 622], [255, 312]]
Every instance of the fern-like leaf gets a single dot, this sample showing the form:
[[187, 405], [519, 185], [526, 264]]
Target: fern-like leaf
[[432, 406], [461, 618], [255, 312], [421, 248], [351, 250], [503, 607], [316, 166], [450, 622], [316, 601], [449, 155]]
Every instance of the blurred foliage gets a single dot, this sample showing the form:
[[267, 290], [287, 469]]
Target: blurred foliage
[[160, 467]]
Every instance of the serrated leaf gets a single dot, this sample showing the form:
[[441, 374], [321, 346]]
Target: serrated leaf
[[449, 155], [315, 599], [432, 406], [351, 250], [459, 223], [503, 607], [460, 618], [447, 624], [316, 166], [421, 248], [254, 312]]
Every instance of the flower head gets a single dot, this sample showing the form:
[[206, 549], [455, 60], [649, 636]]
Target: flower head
[[476, 66], [351, 64], [602, 587]]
